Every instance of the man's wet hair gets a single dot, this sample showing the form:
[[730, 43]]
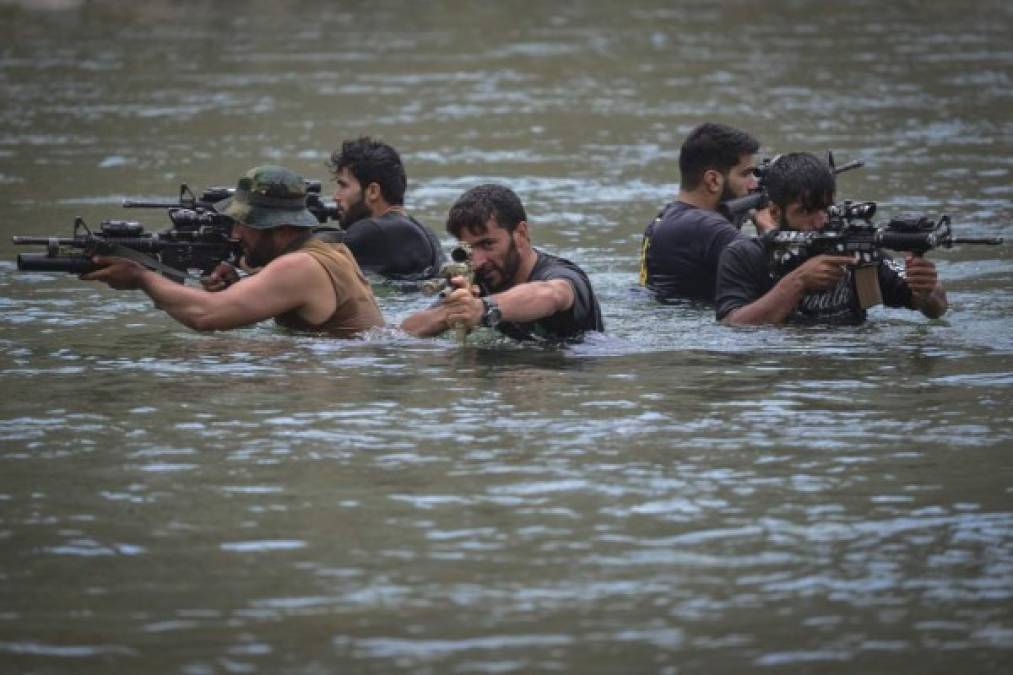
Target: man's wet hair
[[801, 177], [712, 146], [372, 161], [474, 208]]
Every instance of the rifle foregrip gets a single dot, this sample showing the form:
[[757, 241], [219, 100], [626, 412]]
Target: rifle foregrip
[[917, 242]]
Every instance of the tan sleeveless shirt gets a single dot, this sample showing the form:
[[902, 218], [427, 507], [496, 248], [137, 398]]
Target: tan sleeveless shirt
[[356, 307]]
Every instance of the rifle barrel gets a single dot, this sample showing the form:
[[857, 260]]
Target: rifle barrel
[[990, 241], [131, 204], [853, 164], [757, 200], [42, 241]]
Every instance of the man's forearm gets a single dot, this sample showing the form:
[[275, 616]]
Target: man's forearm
[[535, 300], [189, 306], [775, 306], [427, 323], [934, 305]]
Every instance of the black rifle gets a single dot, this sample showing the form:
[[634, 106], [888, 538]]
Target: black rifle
[[851, 232], [323, 211], [735, 210], [196, 240]]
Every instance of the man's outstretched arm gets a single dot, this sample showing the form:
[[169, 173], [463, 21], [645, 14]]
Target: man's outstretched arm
[[278, 288], [522, 303]]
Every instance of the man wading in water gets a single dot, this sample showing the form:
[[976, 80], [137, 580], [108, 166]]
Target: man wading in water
[[801, 188], [522, 292], [303, 283]]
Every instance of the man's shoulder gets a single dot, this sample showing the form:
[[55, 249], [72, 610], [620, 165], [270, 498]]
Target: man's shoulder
[[396, 219], [296, 269], [391, 223], [549, 266], [682, 215], [746, 247], [362, 227]]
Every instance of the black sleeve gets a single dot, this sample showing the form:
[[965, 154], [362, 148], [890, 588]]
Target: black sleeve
[[582, 302], [724, 233], [892, 285], [742, 277]]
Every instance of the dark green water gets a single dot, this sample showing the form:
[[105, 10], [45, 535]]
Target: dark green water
[[674, 497]]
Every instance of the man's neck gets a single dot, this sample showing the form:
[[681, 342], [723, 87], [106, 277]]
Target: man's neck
[[291, 239], [382, 208], [528, 260], [699, 199]]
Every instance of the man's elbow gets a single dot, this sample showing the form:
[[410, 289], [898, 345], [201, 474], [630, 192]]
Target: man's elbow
[[746, 315], [558, 298], [727, 317], [730, 319], [206, 322]]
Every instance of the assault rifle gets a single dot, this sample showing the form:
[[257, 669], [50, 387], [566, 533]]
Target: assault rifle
[[323, 211], [196, 240], [735, 210], [851, 231]]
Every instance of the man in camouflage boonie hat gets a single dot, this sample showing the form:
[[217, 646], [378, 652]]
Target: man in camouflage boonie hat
[[269, 196], [302, 283]]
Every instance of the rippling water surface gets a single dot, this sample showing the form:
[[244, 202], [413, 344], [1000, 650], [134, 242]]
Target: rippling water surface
[[674, 496]]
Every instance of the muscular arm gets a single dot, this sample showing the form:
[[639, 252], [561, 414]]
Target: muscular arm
[[534, 300], [289, 282]]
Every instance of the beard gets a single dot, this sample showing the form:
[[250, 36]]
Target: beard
[[727, 194], [505, 272], [261, 253], [355, 212]]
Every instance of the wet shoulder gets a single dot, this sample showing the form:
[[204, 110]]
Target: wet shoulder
[[549, 266]]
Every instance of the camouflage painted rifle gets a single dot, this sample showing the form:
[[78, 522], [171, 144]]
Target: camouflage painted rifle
[[459, 266]]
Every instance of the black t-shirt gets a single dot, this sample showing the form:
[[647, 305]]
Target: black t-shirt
[[745, 275], [680, 251], [584, 315], [393, 245]]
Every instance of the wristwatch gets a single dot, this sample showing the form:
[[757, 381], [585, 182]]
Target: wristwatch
[[491, 315]]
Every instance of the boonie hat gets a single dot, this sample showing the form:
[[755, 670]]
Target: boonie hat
[[269, 196]]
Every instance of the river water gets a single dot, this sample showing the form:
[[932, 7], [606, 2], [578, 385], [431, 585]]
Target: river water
[[672, 497]]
